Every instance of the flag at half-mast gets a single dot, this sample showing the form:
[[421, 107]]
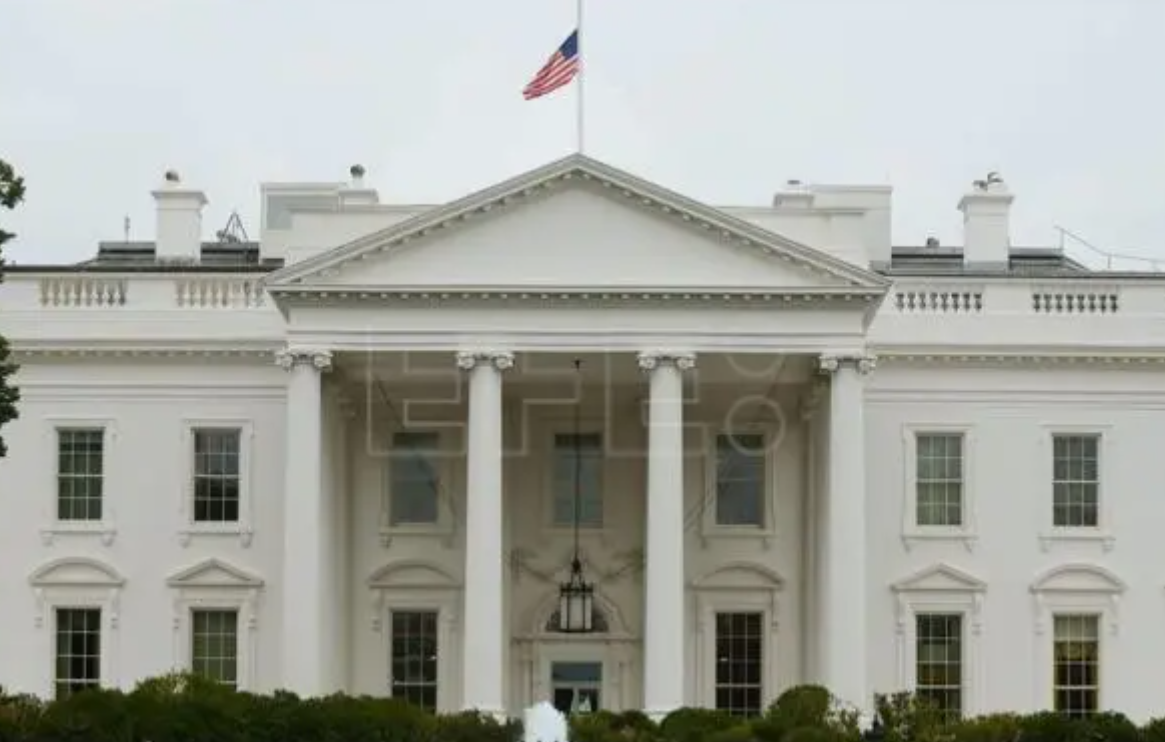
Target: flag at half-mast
[[560, 69]]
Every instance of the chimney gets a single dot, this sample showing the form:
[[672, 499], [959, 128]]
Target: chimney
[[795, 195], [179, 228], [355, 192], [987, 224]]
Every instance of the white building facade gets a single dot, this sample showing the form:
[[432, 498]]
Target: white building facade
[[354, 454]]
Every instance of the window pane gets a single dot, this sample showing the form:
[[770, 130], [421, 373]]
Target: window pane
[[590, 479], [740, 663], [413, 657], [939, 479], [80, 473], [217, 453], [939, 660], [214, 640], [1076, 481], [1076, 664], [740, 479], [78, 650], [414, 483]]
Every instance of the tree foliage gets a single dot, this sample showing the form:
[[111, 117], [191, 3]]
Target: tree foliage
[[11, 194]]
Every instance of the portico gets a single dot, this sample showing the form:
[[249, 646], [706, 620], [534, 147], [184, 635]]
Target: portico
[[463, 325]]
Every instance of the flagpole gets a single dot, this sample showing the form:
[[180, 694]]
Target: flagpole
[[580, 96]]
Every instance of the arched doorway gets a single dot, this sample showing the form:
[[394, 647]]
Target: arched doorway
[[579, 672]]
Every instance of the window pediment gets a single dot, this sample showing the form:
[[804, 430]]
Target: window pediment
[[1078, 578], [939, 578], [740, 576], [214, 573], [411, 574], [76, 572]]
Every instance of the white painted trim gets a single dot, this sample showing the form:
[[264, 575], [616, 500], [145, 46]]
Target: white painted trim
[[755, 589], [615, 687], [941, 588], [447, 485], [769, 529], [546, 432], [244, 528], [77, 582], [104, 529], [1079, 588], [414, 585], [216, 585], [1102, 534], [912, 533]]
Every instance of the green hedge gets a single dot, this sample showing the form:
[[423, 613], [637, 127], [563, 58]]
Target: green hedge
[[185, 709]]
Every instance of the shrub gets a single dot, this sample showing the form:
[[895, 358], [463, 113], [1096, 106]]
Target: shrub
[[182, 708]]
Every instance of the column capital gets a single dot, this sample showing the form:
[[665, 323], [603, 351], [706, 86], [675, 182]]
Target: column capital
[[289, 358], [863, 363], [653, 359], [471, 359]]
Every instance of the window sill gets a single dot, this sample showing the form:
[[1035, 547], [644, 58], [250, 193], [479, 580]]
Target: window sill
[[1077, 536], [915, 536], [106, 530], [767, 536], [244, 533], [442, 531]]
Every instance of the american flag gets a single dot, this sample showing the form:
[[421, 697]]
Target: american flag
[[560, 69]]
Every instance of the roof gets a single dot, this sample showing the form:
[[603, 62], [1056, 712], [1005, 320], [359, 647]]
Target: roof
[[578, 168]]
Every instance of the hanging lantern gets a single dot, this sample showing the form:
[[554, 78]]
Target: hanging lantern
[[576, 596], [576, 602]]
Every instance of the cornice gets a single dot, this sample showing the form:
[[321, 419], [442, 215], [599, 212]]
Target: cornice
[[111, 350], [578, 168], [1077, 357], [850, 296]]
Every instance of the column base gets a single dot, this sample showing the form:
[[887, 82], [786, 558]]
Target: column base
[[656, 715], [497, 715]]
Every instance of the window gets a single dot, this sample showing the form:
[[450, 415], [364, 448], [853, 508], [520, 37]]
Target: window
[[1076, 481], [1076, 663], [740, 479], [939, 479], [938, 660], [413, 659], [80, 474], [588, 447], [414, 484], [214, 645], [217, 474], [940, 649], [78, 650], [739, 663]]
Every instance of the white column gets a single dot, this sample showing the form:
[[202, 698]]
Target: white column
[[843, 619], [664, 640], [483, 673], [305, 644]]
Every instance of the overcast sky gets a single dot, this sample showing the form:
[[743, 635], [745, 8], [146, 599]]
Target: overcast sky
[[722, 100]]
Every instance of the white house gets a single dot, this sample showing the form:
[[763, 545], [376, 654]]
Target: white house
[[354, 455]]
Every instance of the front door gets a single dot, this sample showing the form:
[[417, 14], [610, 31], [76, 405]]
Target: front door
[[576, 687]]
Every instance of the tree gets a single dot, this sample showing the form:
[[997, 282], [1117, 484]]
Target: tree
[[11, 194]]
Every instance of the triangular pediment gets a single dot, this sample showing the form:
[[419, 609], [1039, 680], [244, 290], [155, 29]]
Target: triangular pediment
[[214, 573], [576, 224], [939, 578]]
